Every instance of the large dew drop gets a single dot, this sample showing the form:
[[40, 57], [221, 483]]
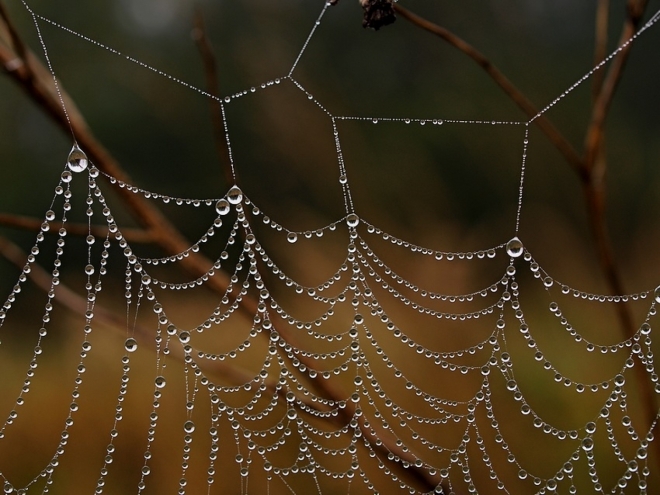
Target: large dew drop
[[235, 195], [352, 220], [514, 247], [130, 345], [587, 444], [160, 381], [77, 161], [222, 207], [656, 295]]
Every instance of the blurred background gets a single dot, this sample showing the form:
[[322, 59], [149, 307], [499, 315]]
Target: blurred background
[[448, 187]]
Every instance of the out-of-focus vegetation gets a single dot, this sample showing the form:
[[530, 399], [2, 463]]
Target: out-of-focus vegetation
[[451, 188]]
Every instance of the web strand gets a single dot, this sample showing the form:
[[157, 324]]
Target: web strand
[[50, 66]]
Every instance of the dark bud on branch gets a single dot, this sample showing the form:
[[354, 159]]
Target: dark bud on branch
[[377, 13]]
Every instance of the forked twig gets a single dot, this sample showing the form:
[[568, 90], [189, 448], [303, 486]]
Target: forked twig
[[591, 167]]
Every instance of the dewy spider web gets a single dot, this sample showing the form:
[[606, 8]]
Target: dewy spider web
[[283, 429]]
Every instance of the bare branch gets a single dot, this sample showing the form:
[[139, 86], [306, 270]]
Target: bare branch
[[551, 132], [212, 87], [603, 101], [231, 373], [600, 50], [34, 224], [590, 168]]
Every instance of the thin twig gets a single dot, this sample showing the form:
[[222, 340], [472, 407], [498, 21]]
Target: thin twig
[[212, 87], [600, 48], [556, 138], [79, 229], [603, 101], [595, 196]]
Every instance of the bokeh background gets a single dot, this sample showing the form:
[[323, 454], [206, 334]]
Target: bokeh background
[[451, 188]]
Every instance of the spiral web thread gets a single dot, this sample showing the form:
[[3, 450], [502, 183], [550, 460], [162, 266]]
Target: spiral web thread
[[339, 444]]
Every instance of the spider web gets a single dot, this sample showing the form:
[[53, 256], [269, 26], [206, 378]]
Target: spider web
[[341, 399]]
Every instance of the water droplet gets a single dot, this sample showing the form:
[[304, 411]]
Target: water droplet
[[66, 176], [222, 207], [160, 381], [77, 161], [235, 195], [343, 179], [587, 444], [146, 470], [514, 247], [89, 269], [189, 427], [657, 295], [352, 220], [131, 345], [184, 337], [292, 237]]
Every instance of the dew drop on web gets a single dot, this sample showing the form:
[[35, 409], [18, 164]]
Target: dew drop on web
[[222, 207], [77, 161], [514, 247], [235, 195], [131, 345]]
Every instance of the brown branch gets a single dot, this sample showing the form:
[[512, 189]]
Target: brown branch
[[37, 82], [592, 167], [34, 224], [16, 41], [547, 127], [595, 195], [600, 50], [77, 304], [212, 87], [603, 101]]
